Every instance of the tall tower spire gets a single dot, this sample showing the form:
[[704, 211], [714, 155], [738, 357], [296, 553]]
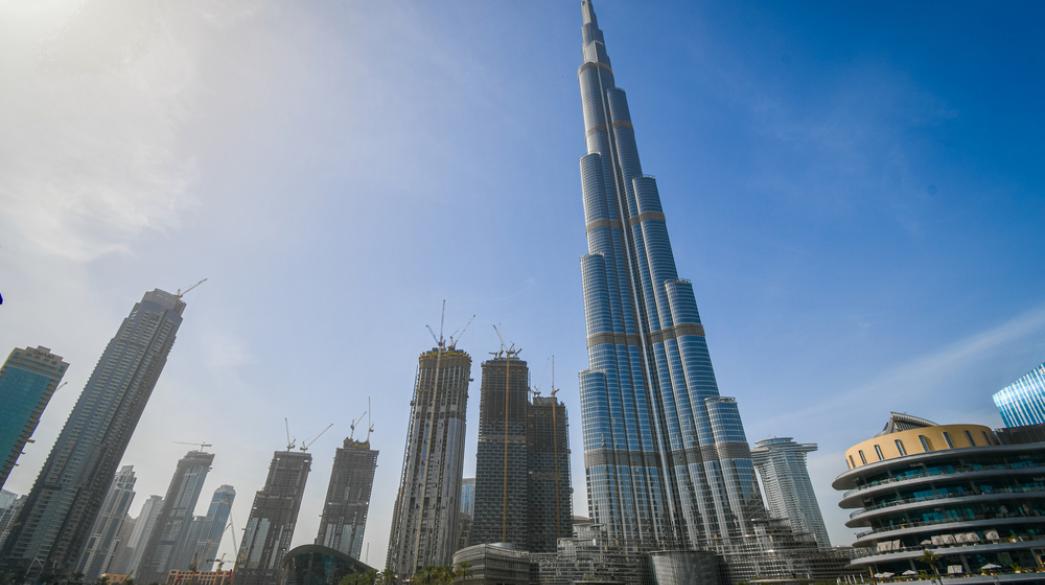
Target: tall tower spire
[[666, 457]]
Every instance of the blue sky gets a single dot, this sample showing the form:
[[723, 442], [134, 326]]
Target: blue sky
[[855, 190]]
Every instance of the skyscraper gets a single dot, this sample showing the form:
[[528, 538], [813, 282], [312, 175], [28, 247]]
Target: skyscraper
[[27, 380], [172, 523], [205, 532], [659, 474], [501, 496], [176, 514], [1022, 403], [550, 497], [343, 522], [781, 463], [144, 525], [52, 528], [214, 525], [104, 543], [466, 513], [424, 521], [273, 517]]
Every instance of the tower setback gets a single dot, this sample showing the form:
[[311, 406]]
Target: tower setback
[[660, 473]]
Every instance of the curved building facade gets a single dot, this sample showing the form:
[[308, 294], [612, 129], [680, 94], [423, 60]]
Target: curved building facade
[[952, 490], [312, 564]]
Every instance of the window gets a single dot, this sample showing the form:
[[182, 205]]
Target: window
[[900, 448], [878, 452], [947, 439], [968, 436], [862, 458], [851, 463], [986, 437], [927, 445]]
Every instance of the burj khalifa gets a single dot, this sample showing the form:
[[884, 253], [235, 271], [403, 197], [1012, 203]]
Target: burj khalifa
[[666, 458]]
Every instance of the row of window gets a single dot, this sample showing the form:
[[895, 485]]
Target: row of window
[[926, 444]]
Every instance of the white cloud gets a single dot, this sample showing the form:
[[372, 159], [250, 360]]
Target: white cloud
[[89, 155]]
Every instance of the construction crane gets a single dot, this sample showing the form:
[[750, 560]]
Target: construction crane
[[352, 425], [369, 426], [508, 352], [182, 293], [290, 442], [440, 342], [456, 336], [220, 561], [200, 443], [306, 444]]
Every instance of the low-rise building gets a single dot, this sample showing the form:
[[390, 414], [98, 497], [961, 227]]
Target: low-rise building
[[948, 499]]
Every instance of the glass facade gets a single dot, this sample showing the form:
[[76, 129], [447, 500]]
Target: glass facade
[[27, 380], [1022, 403], [666, 459], [970, 506]]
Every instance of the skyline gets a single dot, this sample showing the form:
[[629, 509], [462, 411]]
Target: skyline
[[945, 331]]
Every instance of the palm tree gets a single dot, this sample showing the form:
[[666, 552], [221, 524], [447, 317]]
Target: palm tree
[[930, 558]]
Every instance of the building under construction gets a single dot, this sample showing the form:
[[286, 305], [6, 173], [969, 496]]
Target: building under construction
[[424, 522], [348, 497], [272, 518], [501, 464], [548, 482], [522, 490]]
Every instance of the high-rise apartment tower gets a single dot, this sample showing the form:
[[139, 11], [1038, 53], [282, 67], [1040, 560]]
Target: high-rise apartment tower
[[424, 521], [144, 524], [343, 523], [172, 525], [104, 543], [27, 380], [200, 547], [781, 463], [660, 473], [52, 528], [273, 518]]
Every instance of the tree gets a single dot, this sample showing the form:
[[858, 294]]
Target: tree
[[930, 558]]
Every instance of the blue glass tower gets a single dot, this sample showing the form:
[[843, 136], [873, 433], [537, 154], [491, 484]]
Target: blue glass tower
[[666, 457], [1022, 403], [27, 380]]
